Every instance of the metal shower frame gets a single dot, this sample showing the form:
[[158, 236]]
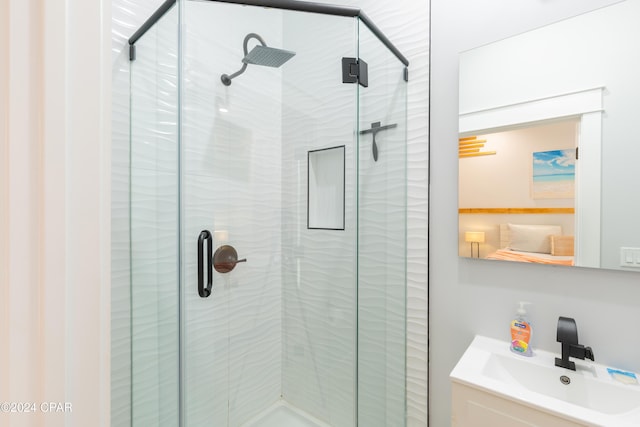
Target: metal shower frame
[[294, 5]]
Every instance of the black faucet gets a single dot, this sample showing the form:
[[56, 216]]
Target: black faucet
[[568, 336]]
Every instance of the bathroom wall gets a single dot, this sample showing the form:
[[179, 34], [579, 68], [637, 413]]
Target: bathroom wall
[[54, 204], [479, 297], [406, 23]]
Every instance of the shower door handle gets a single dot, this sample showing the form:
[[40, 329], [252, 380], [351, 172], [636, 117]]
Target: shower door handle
[[205, 236]]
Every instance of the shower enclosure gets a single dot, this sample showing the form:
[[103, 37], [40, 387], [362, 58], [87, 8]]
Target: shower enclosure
[[268, 175]]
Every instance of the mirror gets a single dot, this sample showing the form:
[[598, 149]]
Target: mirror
[[530, 104]]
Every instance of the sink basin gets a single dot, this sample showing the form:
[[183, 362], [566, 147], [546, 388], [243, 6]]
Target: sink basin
[[588, 395]]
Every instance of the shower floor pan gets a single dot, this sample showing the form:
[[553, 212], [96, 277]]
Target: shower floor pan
[[281, 414]]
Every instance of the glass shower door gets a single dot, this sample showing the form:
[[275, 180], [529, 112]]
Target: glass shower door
[[382, 236], [154, 227], [319, 222], [231, 188], [277, 332]]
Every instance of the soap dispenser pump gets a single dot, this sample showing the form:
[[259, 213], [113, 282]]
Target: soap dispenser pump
[[521, 332]]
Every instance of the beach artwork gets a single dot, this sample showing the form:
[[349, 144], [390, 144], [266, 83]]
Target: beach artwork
[[554, 174]]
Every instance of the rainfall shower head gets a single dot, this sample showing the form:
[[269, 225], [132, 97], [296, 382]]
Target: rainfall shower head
[[260, 55], [268, 56]]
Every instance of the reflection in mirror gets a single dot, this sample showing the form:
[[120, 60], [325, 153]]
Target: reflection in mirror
[[528, 105], [531, 168]]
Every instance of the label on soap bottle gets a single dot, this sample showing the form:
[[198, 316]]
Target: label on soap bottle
[[520, 336]]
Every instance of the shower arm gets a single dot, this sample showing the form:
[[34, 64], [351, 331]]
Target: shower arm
[[226, 78]]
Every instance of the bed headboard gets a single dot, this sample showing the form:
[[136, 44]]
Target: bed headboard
[[533, 237]]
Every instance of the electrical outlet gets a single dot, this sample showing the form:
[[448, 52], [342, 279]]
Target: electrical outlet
[[630, 257]]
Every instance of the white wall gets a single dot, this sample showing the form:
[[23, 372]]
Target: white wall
[[478, 297], [55, 221]]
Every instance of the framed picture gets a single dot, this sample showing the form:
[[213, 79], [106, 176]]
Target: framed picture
[[554, 174]]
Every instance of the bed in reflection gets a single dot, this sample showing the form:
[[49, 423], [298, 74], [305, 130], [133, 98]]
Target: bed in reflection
[[533, 243]]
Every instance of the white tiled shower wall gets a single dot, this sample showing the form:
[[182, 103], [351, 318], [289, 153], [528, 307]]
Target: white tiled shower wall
[[318, 266], [406, 25]]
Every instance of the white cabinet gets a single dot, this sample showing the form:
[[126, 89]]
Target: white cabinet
[[472, 407]]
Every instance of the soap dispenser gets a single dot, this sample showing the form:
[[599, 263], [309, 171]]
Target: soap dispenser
[[521, 332]]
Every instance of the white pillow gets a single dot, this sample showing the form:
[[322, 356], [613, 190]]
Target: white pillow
[[532, 238]]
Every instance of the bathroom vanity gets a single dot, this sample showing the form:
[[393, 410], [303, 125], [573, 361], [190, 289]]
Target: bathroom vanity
[[474, 407], [493, 387]]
